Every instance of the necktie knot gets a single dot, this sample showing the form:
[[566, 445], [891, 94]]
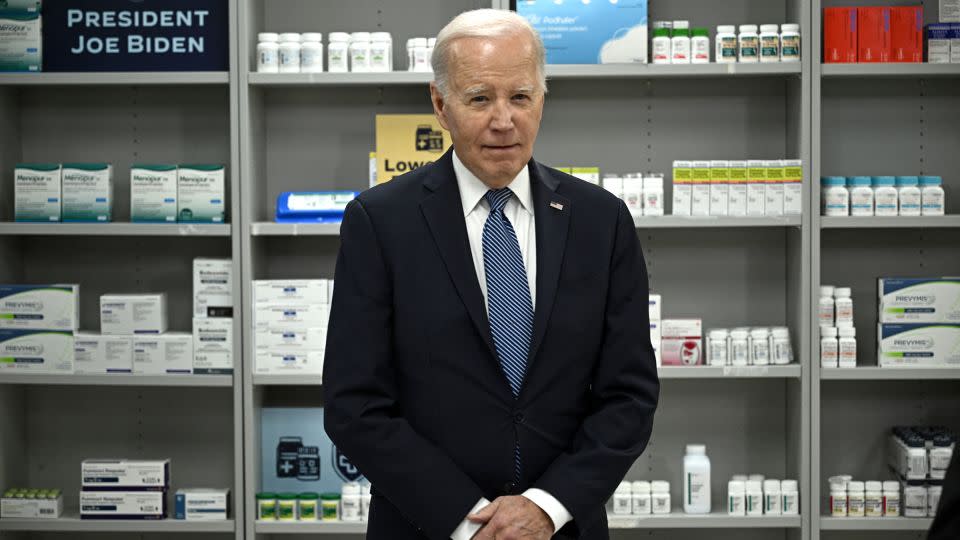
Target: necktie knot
[[497, 198]]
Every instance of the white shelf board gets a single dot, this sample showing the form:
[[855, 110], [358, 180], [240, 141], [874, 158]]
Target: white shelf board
[[891, 70], [723, 372], [310, 527], [116, 78], [889, 374], [928, 222], [294, 229], [72, 523], [681, 222], [117, 379], [875, 524], [288, 380], [114, 229]]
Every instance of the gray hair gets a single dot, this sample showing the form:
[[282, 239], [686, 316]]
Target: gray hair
[[483, 23]]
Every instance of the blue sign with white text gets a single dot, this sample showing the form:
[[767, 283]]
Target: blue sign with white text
[[136, 35]]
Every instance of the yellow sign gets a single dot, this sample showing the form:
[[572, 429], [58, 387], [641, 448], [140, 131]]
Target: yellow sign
[[406, 142]]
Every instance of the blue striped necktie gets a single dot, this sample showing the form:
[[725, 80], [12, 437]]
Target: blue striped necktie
[[509, 306]]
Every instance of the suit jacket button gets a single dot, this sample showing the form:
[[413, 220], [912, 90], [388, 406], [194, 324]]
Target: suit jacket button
[[518, 418], [509, 488]]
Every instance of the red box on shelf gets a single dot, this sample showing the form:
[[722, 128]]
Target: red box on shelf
[[840, 35], [906, 34], [873, 34]]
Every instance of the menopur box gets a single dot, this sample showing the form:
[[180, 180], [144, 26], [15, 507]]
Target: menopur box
[[153, 193], [21, 43], [919, 300], [918, 345], [40, 307], [37, 191], [125, 473], [87, 190], [123, 504], [201, 193]]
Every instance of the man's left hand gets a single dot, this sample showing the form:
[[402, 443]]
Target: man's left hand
[[513, 518]]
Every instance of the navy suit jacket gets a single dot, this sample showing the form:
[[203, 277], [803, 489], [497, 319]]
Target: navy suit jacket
[[414, 393]]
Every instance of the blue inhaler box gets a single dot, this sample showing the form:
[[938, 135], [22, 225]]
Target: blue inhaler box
[[596, 32], [313, 207]]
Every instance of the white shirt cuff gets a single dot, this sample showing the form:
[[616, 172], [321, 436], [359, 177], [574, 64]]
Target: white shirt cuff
[[551, 506], [467, 528]]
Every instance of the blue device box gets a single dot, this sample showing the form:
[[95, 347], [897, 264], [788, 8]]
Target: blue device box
[[313, 207], [598, 32]]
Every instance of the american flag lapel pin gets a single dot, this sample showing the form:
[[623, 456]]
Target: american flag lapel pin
[[556, 205]]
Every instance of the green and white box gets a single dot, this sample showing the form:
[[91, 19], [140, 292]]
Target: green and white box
[[96, 353], [919, 300], [36, 351], [87, 192], [212, 346], [21, 43], [21, 5], [201, 193], [37, 191], [40, 307], [918, 345], [153, 193], [170, 353]]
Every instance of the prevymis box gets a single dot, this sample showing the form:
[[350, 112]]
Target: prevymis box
[[128, 314], [700, 194], [302, 316], [152, 474], [682, 188], [36, 191], [681, 342], [756, 187], [163, 354], [737, 202], [906, 34], [290, 291], [46, 508], [840, 35], [873, 34], [87, 192], [201, 193], [290, 339], [212, 288], [201, 504], [918, 345], [40, 307], [919, 300], [773, 204], [36, 351], [153, 193], [212, 346], [21, 43], [123, 505], [792, 187], [308, 362], [590, 32], [96, 353]]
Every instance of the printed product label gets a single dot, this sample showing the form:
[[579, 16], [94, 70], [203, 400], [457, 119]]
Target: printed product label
[[728, 47]]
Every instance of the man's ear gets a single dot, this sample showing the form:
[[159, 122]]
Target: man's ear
[[439, 105]]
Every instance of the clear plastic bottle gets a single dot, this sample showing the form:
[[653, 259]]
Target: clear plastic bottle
[[829, 347], [885, 196], [909, 195], [736, 498], [834, 197], [726, 47], [696, 480], [844, 304], [826, 306], [749, 44], [932, 196], [311, 52], [290, 52], [856, 499], [847, 347], [680, 43], [700, 46], [861, 195], [769, 43], [662, 51], [790, 43], [760, 346], [268, 52], [338, 52]]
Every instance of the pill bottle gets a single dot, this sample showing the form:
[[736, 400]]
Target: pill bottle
[[662, 50], [290, 52], [725, 48], [790, 43], [622, 499], [680, 43], [940, 456], [267, 506], [844, 306], [934, 491], [856, 499], [739, 353], [771, 498], [421, 61], [360, 52], [780, 351], [909, 195], [757, 478], [653, 195], [330, 507], [350, 502], [640, 492], [760, 346], [829, 347], [885, 196], [700, 46], [749, 43], [410, 54], [769, 43], [861, 195], [717, 347], [287, 507], [696, 480], [366, 495], [917, 466], [790, 495], [932, 195], [431, 44], [381, 52], [838, 499], [873, 497], [268, 52], [307, 506], [891, 498], [614, 184], [338, 53], [834, 197], [660, 497], [826, 306], [311, 52], [754, 491], [736, 498], [847, 347], [914, 499]]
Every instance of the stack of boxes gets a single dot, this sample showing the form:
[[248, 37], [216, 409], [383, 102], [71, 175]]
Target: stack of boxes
[[37, 325], [919, 322], [943, 39], [290, 320], [738, 188], [124, 489], [212, 316], [920, 457], [890, 34], [21, 36]]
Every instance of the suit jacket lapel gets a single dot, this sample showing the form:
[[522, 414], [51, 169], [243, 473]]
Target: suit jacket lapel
[[444, 214]]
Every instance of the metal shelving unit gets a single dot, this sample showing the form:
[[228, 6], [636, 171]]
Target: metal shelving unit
[[930, 222], [173, 78], [73, 524], [875, 524], [119, 379], [905, 71], [890, 374], [112, 229]]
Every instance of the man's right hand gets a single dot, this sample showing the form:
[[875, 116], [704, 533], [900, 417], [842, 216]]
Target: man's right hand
[[512, 518]]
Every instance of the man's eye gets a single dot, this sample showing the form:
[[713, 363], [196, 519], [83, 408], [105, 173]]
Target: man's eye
[[478, 99], [521, 97]]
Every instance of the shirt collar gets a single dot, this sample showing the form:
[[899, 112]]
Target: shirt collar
[[472, 189]]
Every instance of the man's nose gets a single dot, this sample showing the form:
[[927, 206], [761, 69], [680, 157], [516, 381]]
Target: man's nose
[[502, 119]]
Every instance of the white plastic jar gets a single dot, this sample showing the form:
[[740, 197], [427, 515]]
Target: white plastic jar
[[726, 47], [754, 498], [739, 353], [909, 195], [826, 306], [760, 347], [381, 52], [834, 197], [856, 499], [790, 43], [829, 347], [696, 480], [769, 43], [661, 48], [660, 497], [781, 353], [290, 52], [838, 499], [311, 52], [873, 507], [847, 347], [934, 491], [940, 456], [914, 499], [338, 53], [366, 496], [421, 60], [680, 43], [891, 498], [360, 52], [932, 198], [861, 195], [431, 44], [842, 297], [736, 498], [268, 52], [885, 196], [350, 502], [653, 195], [717, 348], [771, 498], [622, 499], [749, 44], [640, 491], [700, 46], [790, 497]]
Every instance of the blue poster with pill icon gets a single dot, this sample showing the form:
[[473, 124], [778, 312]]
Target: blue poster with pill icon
[[297, 455]]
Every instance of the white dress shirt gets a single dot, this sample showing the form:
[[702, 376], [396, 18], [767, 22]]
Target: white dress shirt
[[519, 210]]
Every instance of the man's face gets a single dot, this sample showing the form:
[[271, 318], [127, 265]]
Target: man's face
[[494, 105]]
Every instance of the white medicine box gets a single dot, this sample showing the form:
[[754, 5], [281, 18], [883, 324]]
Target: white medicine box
[[130, 314], [212, 288]]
